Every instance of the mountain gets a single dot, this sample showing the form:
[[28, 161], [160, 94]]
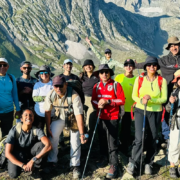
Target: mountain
[[50, 31]]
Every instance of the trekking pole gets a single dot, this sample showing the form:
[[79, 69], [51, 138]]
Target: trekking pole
[[137, 68], [144, 124], [91, 144], [170, 119], [86, 137]]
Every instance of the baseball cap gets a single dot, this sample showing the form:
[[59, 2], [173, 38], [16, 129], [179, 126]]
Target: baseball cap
[[59, 80], [129, 61], [67, 61], [4, 60], [107, 51], [26, 62]]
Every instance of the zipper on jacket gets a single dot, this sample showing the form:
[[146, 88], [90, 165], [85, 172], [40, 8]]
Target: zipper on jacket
[[152, 86]]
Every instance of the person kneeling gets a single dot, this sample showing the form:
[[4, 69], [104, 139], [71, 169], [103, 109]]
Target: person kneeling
[[25, 146]]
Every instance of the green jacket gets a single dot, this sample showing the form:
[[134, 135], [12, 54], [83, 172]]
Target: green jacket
[[111, 63]]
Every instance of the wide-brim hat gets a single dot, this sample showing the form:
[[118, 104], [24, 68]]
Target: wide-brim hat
[[88, 62], [44, 68], [172, 40], [103, 67], [176, 76], [151, 60]]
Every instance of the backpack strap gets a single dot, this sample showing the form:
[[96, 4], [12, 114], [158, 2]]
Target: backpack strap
[[11, 78], [160, 80], [19, 128], [69, 97], [97, 86], [140, 81], [52, 96], [115, 87]]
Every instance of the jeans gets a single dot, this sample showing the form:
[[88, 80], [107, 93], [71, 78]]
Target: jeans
[[56, 129], [6, 123], [153, 120], [24, 156], [108, 134]]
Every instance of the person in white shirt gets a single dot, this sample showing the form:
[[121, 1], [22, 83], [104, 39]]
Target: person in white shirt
[[40, 91]]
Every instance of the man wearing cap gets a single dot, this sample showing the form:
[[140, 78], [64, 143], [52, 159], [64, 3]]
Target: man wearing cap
[[108, 97], [105, 59], [25, 85], [57, 98], [127, 82], [8, 97], [67, 65]]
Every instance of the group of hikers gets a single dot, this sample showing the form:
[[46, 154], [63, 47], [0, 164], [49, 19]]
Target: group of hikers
[[70, 102]]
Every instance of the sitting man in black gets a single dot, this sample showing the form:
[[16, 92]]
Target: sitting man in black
[[25, 146]]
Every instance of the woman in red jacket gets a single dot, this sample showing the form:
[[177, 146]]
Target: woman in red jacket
[[108, 99]]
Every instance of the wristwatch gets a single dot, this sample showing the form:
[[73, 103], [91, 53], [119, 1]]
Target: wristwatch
[[109, 101], [34, 159]]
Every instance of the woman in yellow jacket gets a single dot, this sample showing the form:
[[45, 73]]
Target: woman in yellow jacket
[[151, 91]]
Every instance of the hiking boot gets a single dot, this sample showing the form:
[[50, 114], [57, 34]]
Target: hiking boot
[[36, 175], [178, 169], [130, 168], [148, 170], [50, 166], [102, 162], [76, 172], [172, 172], [113, 171]]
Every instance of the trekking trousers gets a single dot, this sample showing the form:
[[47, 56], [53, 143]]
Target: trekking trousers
[[108, 134], [174, 140], [153, 120], [24, 156], [56, 129]]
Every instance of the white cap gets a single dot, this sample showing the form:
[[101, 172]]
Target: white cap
[[3, 60], [67, 61]]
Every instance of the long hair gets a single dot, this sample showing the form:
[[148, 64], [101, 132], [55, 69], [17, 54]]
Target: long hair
[[84, 73]]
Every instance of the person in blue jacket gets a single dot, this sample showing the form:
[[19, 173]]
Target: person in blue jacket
[[8, 98]]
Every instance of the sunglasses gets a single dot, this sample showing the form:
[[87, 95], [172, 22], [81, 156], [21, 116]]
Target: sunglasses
[[153, 64], [102, 72], [59, 86], [3, 65], [29, 68], [43, 73], [107, 53]]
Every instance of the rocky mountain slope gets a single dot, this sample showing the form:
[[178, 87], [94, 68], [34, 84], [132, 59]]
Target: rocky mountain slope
[[49, 31]]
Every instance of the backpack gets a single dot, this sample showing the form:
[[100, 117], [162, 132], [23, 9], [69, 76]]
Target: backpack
[[121, 108], [3, 159], [140, 81], [77, 86], [70, 119], [10, 78]]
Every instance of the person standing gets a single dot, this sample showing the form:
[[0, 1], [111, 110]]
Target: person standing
[[88, 81], [40, 91], [108, 99], [149, 90], [59, 99], [25, 85], [106, 59], [127, 82], [8, 97]]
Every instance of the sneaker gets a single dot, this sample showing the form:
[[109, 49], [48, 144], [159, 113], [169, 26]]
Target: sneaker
[[148, 169], [36, 175], [113, 171], [102, 162], [172, 172], [130, 168], [76, 172], [50, 166]]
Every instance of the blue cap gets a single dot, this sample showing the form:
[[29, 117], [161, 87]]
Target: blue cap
[[67, 61]]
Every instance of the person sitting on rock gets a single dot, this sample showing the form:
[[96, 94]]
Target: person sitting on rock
[[26, 146]]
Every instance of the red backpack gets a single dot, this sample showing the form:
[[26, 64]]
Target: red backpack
[[140, 81]]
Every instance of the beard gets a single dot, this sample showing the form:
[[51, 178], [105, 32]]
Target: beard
[[27, 73]]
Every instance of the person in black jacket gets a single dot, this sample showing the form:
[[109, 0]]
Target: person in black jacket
[[88, 82]]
